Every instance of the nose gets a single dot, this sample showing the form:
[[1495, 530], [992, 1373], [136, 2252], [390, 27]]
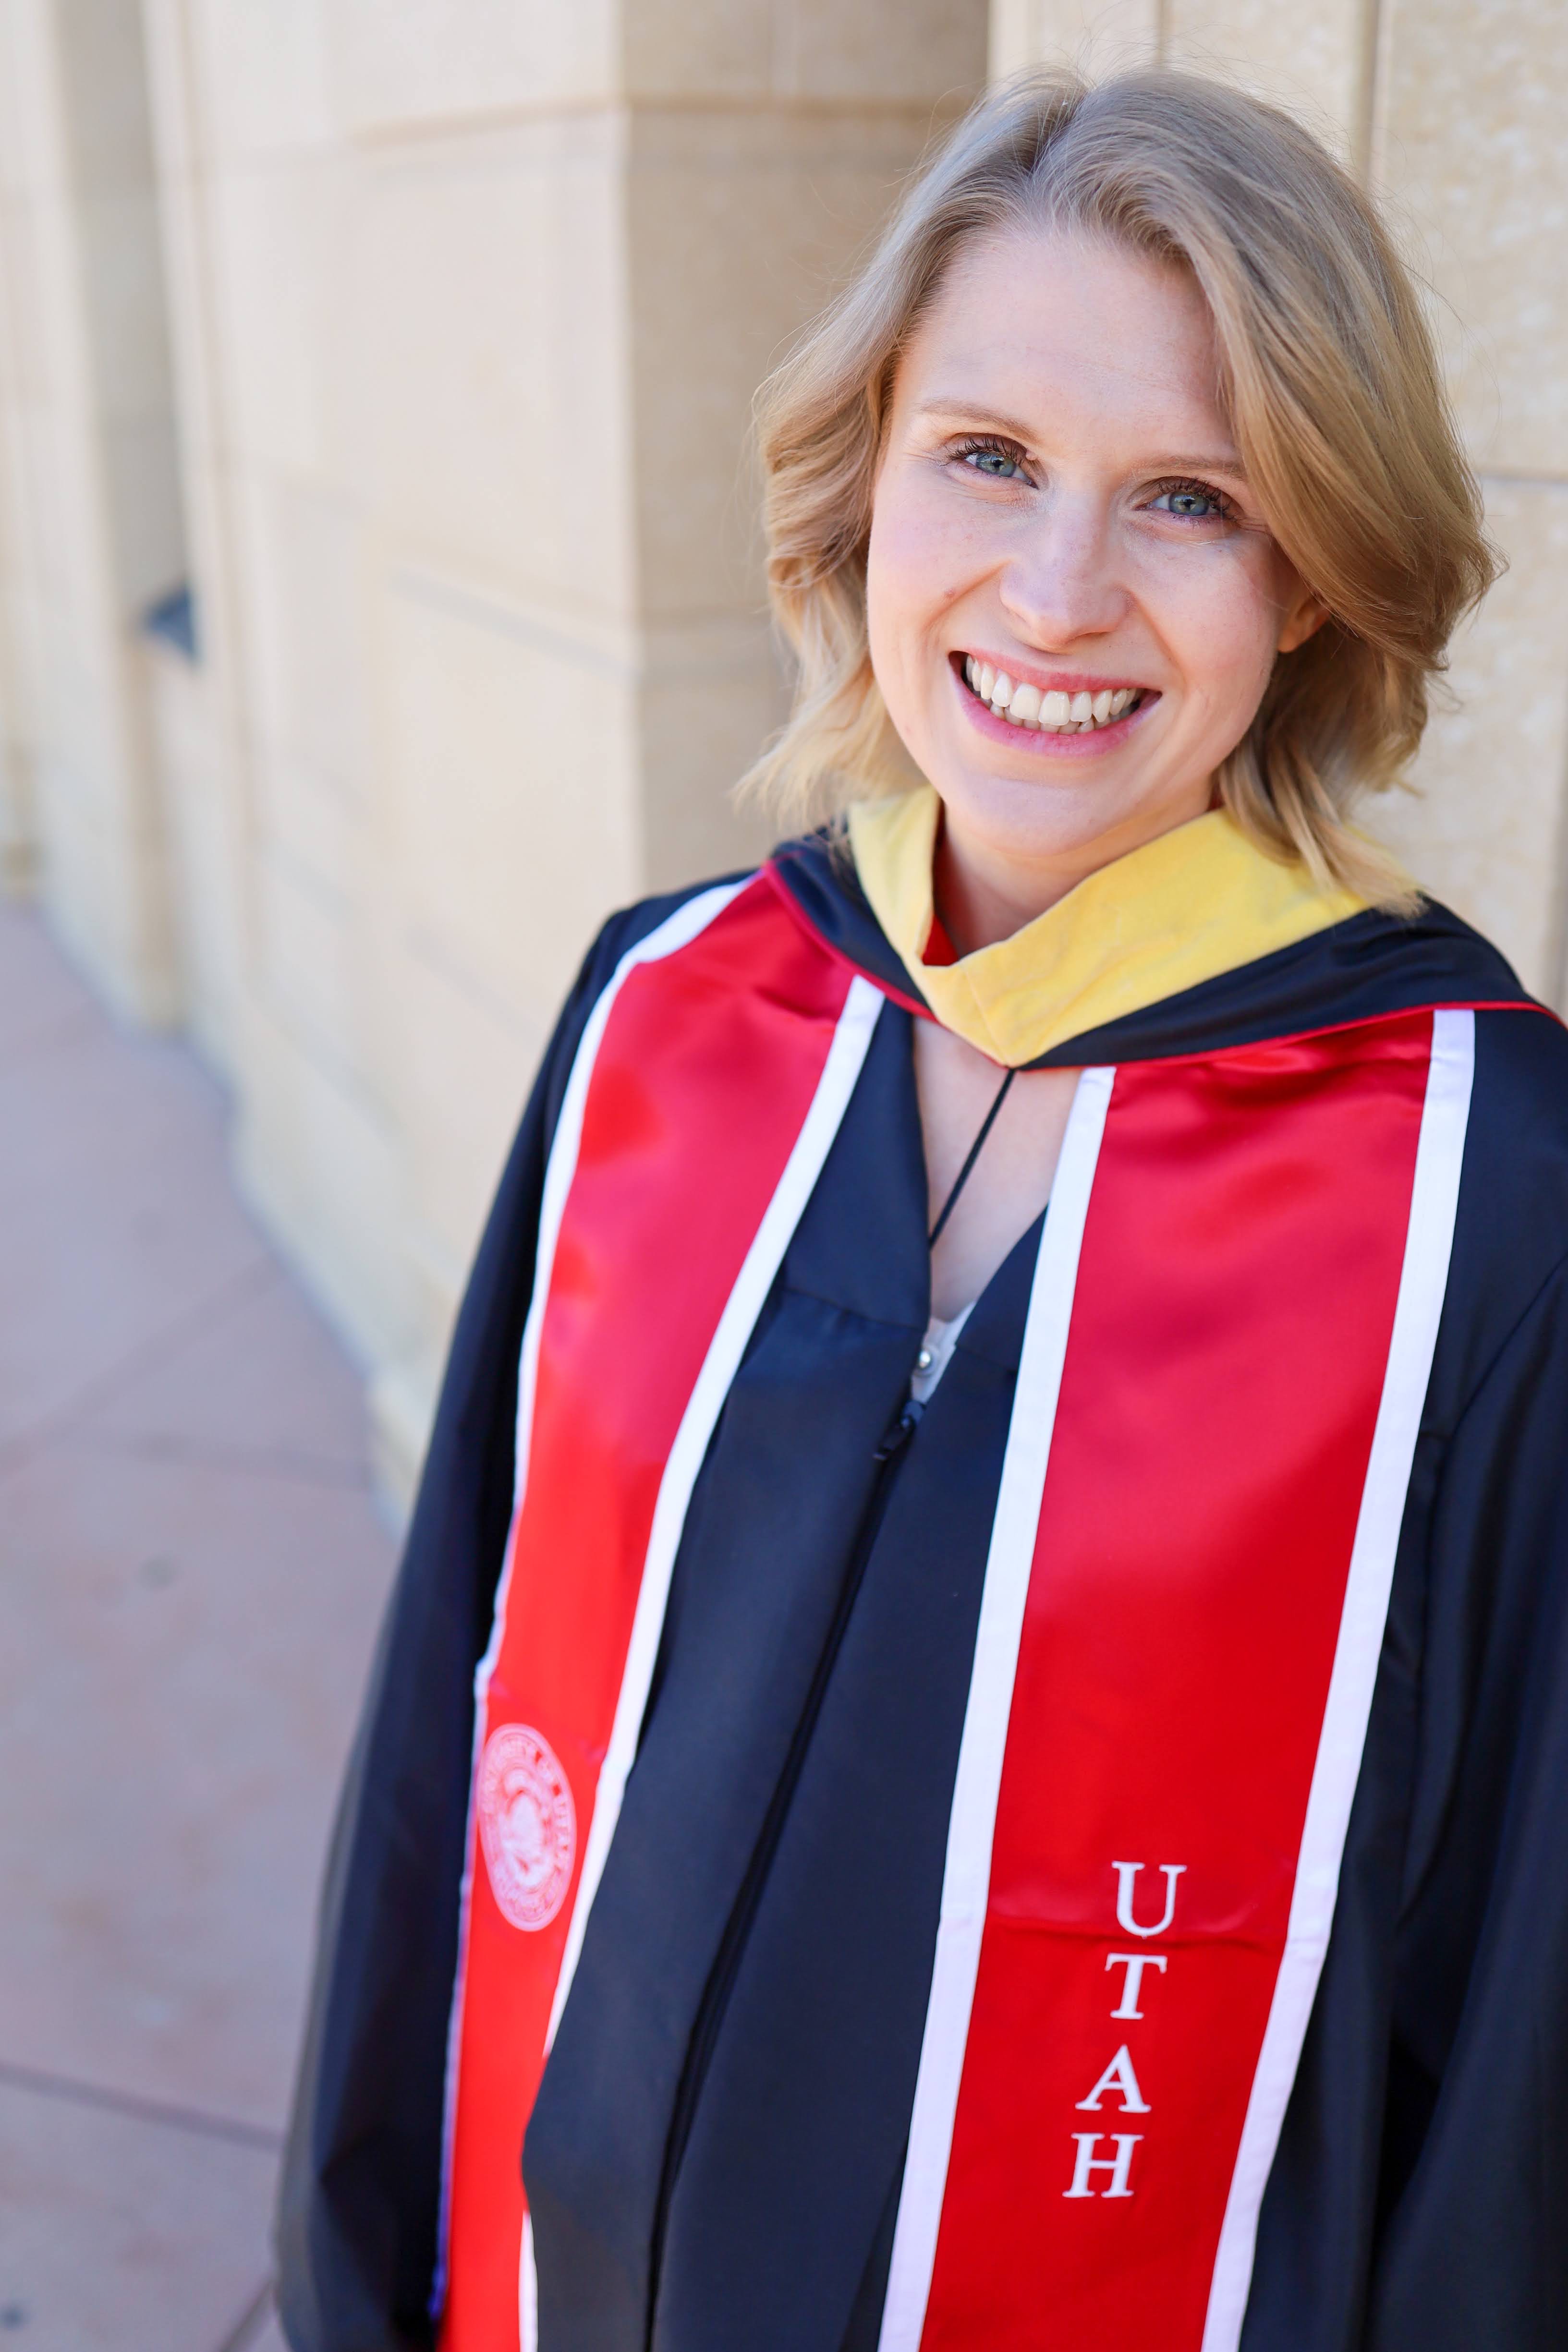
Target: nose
[[1060, 583]]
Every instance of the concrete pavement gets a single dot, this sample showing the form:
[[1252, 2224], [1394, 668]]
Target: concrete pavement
[[191, 1572]]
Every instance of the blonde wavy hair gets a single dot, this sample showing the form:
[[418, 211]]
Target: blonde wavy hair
[[1330, 385]]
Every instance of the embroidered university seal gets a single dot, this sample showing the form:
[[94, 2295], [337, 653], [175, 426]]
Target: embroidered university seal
[[528, 1826]]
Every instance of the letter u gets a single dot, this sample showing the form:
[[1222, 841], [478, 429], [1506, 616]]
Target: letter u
[[1126, 1888]]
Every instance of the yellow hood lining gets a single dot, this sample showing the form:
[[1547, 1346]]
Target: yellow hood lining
[[1196, 902]]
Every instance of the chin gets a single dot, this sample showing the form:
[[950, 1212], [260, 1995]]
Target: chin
[[1041, 815]]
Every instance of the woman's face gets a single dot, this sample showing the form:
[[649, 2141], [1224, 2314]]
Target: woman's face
[[1062, 522]]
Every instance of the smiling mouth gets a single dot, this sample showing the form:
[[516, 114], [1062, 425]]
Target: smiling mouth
[[1049, 711]]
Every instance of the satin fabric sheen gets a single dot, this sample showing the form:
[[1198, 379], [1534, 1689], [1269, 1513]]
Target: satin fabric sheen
[[709, 1062], [1190, 1568], [700, 1088], [1415, 2199]]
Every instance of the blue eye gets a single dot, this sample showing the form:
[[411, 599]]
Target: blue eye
[[1190, 503], [1000, 465]]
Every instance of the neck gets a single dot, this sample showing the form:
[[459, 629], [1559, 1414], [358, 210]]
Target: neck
[[985, 894]]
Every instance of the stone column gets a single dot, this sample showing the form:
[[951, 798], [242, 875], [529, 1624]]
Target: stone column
[[1096, 35], [1467, 145], [91, 507], [470, 298]]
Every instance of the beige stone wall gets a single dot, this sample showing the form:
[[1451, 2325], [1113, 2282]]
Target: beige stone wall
[[469, 300], [420, 334], [89, 497], [1453, 111]]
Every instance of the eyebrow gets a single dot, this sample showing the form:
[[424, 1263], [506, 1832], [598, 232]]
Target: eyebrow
[[1214, 461]]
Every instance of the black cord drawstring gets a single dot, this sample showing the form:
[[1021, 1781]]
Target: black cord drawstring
[[962, 1179]]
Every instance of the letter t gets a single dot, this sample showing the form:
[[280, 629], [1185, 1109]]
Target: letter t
[[1134, 1963]]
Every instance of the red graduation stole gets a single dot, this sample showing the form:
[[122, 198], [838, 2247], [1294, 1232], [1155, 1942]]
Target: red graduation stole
[[1227, 1348]]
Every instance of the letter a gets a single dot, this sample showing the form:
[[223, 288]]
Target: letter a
[[1126, 1884], [1118, 2076]]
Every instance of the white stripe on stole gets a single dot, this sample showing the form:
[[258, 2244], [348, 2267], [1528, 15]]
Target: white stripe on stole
[[744, 1304], [677, 931], [967, 1875], [1423, 1286], [841, 1069]]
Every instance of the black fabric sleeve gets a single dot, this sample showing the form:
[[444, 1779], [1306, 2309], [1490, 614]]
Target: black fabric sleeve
[[1474, 2247], [357, 2214]]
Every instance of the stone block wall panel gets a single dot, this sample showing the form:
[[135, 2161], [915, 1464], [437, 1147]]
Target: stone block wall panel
[[283, 272], [511, 747], [302, 559], [406, 66], [264, 79], [1096, 35], [1485, 829], [916, 53], [1470, 152], [495, 356], [94, 512], [1314, 60], [466, 303], [739, 226], [190, 760]]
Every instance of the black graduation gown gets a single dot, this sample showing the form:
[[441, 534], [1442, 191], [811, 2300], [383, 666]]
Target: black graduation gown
[[715, 2155]]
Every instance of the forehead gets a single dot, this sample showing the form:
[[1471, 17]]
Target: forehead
[[1057, 330]]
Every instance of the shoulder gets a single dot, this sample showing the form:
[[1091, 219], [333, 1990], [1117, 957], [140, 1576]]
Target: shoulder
[[1516, 1150], [1511, 1235], [626, 929], [1513, 1232], [1519, 1110], [1522, 1066], [629, 927]]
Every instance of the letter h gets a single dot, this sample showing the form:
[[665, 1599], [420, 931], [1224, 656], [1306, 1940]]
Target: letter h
[[1119, 2166]]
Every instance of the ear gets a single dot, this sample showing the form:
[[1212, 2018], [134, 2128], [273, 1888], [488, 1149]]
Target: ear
[[1302, 619]]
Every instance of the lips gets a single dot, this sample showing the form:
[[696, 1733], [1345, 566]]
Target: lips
[[1049, 710]]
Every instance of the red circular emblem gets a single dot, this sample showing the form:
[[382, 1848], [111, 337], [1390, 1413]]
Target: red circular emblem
[[528, 1826]]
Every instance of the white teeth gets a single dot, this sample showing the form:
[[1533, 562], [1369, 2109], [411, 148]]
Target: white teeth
[[1055, 713]]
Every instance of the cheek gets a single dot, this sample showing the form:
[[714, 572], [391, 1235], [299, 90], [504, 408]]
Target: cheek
[[895, 575], [918, 563], [898, 563], [1220, 618]]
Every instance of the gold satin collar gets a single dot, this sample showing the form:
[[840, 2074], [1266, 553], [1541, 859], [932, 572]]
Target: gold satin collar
[[1196, 902]]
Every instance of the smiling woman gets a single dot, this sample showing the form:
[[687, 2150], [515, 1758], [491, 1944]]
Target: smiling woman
[[969, 1752], [1149, 314]]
